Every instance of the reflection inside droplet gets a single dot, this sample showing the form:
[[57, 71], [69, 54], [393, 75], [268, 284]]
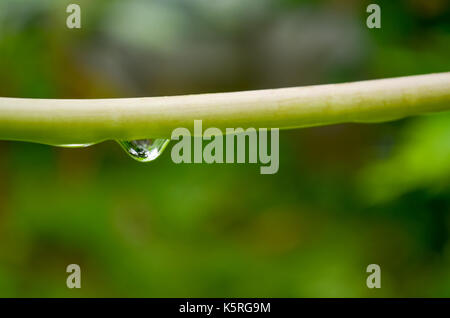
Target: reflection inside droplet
[[144, 150]]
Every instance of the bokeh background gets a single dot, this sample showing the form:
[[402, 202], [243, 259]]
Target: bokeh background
[[345, 196]]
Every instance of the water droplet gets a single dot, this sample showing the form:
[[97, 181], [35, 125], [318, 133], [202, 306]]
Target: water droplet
[[144, 150]]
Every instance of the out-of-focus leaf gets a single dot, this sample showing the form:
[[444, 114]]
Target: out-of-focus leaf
[[421, 160]]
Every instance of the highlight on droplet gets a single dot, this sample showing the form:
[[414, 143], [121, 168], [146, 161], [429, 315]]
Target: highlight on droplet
[[144, 150]]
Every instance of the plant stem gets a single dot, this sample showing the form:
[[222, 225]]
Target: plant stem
[[88, 121]]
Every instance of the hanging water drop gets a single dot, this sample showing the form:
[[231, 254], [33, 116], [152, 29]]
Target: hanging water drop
[[144, 150]]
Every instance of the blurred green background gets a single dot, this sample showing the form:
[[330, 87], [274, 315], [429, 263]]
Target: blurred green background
[[345, 196]]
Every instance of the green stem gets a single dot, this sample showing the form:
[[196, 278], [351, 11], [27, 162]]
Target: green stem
[[89, 121]]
